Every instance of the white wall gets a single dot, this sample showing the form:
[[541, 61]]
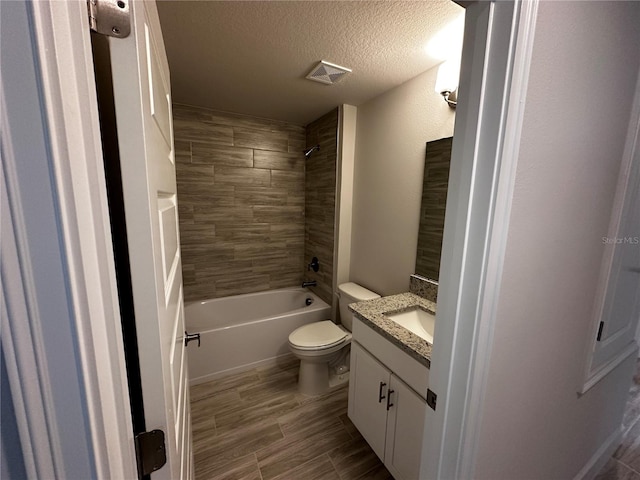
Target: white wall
[[582, 80], [392, 130], [344, 196]]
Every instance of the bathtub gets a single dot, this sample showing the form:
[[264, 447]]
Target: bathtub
[[244, 331]]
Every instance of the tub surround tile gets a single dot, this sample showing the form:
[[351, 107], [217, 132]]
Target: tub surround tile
[[220, 155], [227, 168], [295, 198], [274, 215], [257, 195], [235, 172], [296, 144], [232, 232], [319, 186], [196, 130], [195, 174], [289, 162], [208, 196], [261, 139], [424, 287], [371, 312], [243, 176], [250, 284], [293, 180]]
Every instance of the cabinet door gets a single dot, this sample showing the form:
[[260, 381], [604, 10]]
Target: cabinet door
[[368, 380], [405, 424]]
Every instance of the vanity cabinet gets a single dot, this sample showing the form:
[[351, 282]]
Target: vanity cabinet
[[388, 414]]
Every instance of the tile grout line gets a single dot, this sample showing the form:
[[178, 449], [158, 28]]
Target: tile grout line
[[334, 465], [281, 477], [258, 465]]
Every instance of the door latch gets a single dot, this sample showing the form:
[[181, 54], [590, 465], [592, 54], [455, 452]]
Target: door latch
[[431, 399]]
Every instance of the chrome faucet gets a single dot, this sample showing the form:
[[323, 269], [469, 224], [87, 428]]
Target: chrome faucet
[[312, 283]]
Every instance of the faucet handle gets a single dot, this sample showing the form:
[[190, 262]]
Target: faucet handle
[[314, 265]]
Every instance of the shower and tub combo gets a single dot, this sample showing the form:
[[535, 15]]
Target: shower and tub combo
[[240, 332]]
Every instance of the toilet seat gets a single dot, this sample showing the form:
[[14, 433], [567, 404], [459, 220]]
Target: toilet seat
[[317, 336]]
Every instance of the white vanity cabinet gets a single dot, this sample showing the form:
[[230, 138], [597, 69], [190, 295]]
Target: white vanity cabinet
[[387, 412]]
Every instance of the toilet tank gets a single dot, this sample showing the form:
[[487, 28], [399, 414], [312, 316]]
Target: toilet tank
[[351, 293]]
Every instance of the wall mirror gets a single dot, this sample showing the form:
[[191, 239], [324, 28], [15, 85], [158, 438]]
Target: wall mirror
[[434, 201]]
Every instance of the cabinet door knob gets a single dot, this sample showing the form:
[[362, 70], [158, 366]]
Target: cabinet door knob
[[380, 394], [389, 404]]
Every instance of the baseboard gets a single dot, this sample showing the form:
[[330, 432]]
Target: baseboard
[[601, 457], [269, 362]]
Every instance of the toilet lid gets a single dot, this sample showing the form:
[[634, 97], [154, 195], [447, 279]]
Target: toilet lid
[[317, 334]]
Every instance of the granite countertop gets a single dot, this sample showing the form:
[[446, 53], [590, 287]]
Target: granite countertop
[[371, 312]]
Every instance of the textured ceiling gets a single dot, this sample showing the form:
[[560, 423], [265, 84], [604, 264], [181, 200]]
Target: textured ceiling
[[251, 57]]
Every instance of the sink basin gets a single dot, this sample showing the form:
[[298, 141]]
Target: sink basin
[[417, 321]]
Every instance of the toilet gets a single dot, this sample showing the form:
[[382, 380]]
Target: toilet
[[323, 347]]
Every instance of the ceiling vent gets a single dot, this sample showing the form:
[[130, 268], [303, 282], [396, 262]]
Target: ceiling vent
[[328, 73]]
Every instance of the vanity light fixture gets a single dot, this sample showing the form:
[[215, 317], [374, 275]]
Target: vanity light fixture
[[447, 81], [450, 97]]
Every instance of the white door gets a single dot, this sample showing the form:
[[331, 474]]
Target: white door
[[616, 326], [142, 99]]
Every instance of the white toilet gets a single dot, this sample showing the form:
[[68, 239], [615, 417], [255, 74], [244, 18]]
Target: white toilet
[[323, 347]]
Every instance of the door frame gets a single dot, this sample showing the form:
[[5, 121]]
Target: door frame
[[68, 105], [496, 57], [61, 32]]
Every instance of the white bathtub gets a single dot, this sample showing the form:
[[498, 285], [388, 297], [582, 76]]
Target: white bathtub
[[244, 331]]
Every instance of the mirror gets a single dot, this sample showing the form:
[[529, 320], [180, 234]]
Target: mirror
[[434, 201]]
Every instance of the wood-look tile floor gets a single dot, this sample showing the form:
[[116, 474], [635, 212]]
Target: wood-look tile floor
[[625, 463], [256, 426]]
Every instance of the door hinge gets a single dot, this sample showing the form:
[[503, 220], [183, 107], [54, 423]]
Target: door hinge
[[110, 17], [600, 331], [151, 453], [431, 399]]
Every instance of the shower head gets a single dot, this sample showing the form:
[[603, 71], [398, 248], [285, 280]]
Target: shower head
[[308, 151]]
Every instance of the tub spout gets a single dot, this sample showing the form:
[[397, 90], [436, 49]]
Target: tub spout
[[312, 283]]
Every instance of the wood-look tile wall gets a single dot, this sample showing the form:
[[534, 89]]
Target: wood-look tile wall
[[320, 202], [434, 200], [241, 198]]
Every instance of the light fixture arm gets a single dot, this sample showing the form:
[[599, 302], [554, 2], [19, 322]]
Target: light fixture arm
[[450, 97]]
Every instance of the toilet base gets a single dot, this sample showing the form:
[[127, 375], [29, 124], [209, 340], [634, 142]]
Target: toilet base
[[318, 378], [313, 378]]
